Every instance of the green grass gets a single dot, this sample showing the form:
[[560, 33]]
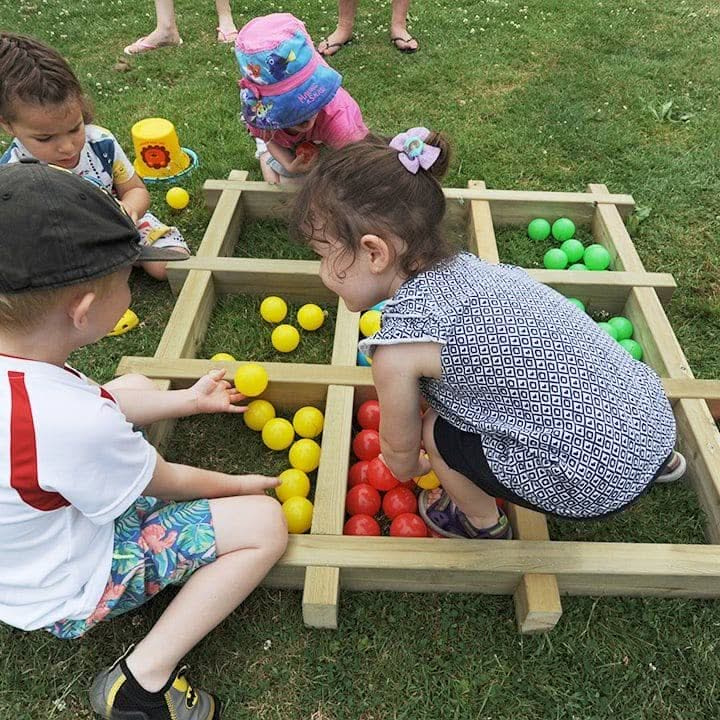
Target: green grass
[[547, 95]]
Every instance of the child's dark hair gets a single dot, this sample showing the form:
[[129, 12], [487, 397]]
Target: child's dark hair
[[365, 189], [35, 73]]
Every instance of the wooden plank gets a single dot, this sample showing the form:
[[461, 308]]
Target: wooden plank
[[604, 290], [691, 389], [322, 584], [609, 230], [346, 336], [584, 568], [223, 230], [185, 331], [183, 372], [480, 231], [509, 207], [537, 597], [297, 280]]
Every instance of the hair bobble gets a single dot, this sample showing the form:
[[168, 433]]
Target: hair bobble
[[413, 152]]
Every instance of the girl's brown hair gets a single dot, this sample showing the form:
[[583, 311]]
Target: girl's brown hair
[[365, 189], [34, 73]]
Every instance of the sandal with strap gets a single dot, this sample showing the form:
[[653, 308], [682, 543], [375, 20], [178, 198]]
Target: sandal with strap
[[674, 468], [226, 37], [328, 45], [444, 517], [141, 45], [408, 39]]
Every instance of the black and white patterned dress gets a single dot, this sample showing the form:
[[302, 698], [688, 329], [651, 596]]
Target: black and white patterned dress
[[568, 420]]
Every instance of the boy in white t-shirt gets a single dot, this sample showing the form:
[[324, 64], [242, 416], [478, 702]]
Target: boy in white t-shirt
[[88, 524]]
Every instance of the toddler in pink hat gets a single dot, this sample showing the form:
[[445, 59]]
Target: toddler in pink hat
[[292, 102]]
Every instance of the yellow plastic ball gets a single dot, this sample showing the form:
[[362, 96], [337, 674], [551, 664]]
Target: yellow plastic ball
[[273, 309], [310, 317], [223, 357], [304, 455], [278, 434], [251, 379], [177, 198], [293, 483], [308, 422], [285, 338], [370, 322], [428, 482], [298, 513], [258, 413]]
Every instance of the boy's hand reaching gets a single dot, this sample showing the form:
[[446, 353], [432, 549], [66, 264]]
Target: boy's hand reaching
[[254, 484], [215, 395]]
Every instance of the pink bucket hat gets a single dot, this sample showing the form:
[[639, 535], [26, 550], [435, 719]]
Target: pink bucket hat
[[284, 81]]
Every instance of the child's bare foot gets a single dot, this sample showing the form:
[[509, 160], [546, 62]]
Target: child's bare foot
[[334, 42], [226, 33], [156, 39]]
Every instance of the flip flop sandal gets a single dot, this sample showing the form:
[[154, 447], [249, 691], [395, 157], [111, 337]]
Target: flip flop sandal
[[674, 470], [408, 50], [443, 517], [141, 45], [229, 37], [338, 45]]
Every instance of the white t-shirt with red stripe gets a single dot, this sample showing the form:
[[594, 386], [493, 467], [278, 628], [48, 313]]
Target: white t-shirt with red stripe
[[70, 463]]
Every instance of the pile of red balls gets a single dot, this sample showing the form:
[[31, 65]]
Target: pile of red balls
[[373, 488]]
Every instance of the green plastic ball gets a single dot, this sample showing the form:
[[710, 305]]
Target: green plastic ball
[[596, 257], [633, 348], [555, 259], [577, 303], [539, 229], [563, 229], [623, 327], [578, 266], [609, 329], [573, 249]]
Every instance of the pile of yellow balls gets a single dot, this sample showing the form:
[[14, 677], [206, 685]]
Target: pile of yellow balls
[[285, 338], [279, 434]]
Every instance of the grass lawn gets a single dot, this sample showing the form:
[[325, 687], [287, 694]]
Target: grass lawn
[[547, 95]]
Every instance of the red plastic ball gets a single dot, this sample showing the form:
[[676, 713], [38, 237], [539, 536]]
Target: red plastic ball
[[380, 476], [358, 473], [366, 444], [368, 415], [398, 500], [307, 149], [408, 525], [361, 525], [362, 500]]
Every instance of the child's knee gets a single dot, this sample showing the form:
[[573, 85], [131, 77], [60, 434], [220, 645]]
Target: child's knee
[[249, 520]]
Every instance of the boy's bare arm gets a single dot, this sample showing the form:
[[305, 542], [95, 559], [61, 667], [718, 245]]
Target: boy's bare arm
[[210, 394], [172, 481]]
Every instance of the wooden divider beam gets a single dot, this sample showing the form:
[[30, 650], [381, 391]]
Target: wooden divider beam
[[186, 329], [537, 597], [698, 437], [322, 584], [509, 207]]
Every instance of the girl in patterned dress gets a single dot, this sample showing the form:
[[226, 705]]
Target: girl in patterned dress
[[529, 400]]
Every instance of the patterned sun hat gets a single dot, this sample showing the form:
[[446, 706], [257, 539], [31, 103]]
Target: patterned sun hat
[[284, 81]]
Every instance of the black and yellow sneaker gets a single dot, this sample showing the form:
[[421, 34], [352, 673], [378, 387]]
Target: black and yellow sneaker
[[116, 695]]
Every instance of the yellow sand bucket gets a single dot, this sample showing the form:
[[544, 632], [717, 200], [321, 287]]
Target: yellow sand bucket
[[158, 155]]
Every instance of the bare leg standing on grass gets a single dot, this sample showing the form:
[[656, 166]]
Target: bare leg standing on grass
[[342, 34], [166, 33]]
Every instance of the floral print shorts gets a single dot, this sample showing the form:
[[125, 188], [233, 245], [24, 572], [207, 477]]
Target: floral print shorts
[[157, 543]]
